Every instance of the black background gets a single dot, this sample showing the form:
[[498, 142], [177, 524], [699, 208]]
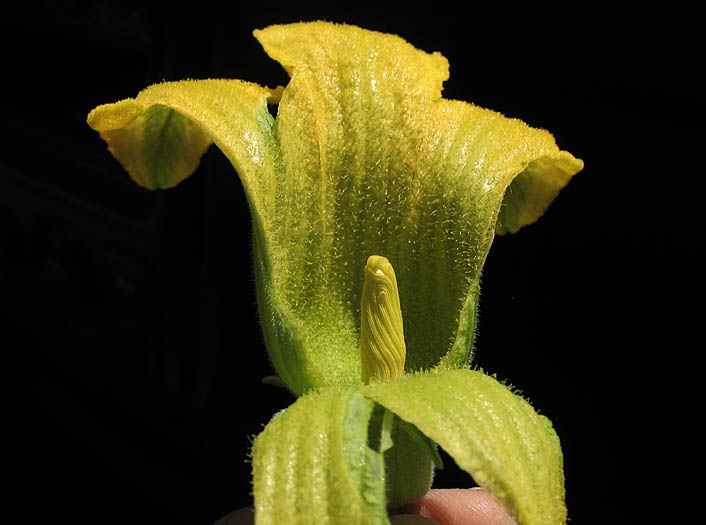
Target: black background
[[132, 346]]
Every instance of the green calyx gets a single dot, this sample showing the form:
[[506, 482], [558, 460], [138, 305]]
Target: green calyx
[[372, 447]]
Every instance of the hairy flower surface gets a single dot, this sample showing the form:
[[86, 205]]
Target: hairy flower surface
[[366, 158]]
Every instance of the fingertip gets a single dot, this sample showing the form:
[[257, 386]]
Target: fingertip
[[460, 507]]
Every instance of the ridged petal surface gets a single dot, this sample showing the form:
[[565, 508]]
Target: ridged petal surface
[[376, 162], [365, 157]]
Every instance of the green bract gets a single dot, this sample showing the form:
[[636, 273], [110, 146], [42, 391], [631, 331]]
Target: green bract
[[365, 157]]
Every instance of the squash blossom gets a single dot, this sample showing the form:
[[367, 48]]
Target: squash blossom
[[374, 203]]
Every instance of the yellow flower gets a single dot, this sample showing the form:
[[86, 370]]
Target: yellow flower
[[366, 157]]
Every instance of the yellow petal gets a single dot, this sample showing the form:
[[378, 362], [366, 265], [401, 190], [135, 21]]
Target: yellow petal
[[533, 190], [160, 136], [375, 161], [364, 157]]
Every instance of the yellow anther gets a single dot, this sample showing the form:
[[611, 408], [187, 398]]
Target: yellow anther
[[382, 346]]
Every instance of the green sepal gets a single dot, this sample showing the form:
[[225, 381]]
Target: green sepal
[[335, 456], [409, 468], [365, 463], [407, 458], [423, 441], [312, 463], [388, 420], [491, 433]]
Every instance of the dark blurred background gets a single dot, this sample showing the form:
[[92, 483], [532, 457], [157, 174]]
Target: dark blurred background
[[131, 340]]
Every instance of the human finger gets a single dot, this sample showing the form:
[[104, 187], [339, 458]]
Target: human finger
[[460, 507]]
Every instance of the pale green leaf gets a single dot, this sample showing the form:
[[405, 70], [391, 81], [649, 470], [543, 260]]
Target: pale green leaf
[[493, 434], [365, 463], [312, 464]]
